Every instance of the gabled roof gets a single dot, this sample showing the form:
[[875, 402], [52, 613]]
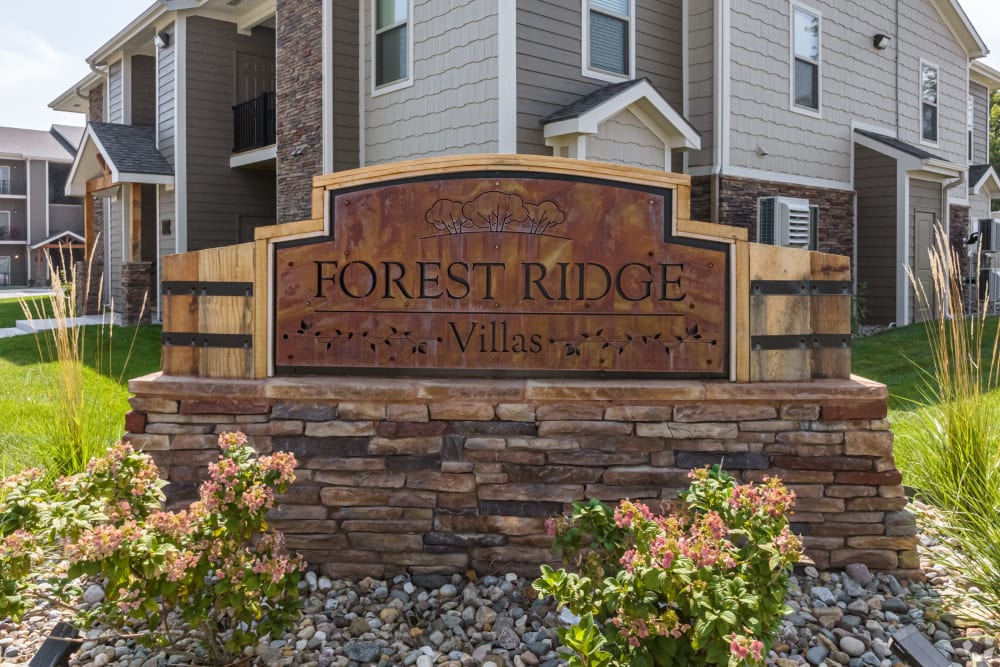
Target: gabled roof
[[983, 175], [22, 144], [585, 115], [912, 158], [67, 238], [128, 151], [984, 75], [961, 27], [902, 146], [68, 135], [131, 148]]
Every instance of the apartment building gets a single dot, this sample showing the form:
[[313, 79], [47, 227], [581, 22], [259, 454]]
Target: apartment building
[[39, 223]]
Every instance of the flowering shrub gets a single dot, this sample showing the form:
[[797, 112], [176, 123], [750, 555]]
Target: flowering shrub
[[208, 566], [704, 585]]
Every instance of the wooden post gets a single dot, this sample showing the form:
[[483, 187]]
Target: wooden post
[[135, 228], [88, 223]]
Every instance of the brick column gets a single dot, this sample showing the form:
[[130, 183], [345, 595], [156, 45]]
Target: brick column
[[299, 97], [137, 289]]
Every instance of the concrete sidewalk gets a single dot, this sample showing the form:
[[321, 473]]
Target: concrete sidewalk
[[23, 327]]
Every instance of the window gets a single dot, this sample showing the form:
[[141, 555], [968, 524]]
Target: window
[[928, 102], [4, 225], [392, 41], [609, 38], [970, 121], [805, 58], [4, 270], [4, 180]]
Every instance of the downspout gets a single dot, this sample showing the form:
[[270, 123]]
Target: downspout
[[897, 68]]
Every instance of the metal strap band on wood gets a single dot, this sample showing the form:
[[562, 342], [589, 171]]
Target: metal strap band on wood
[[176, 339], [803, 342], [801, 288], [202, 288]]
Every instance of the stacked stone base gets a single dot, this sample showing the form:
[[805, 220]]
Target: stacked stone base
[[441, 476], [137, 293]]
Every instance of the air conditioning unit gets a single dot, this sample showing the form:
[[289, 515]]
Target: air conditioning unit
[[989, 235], [784, 221], [994, 285]]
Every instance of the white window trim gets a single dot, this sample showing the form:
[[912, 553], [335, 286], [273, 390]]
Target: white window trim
[[806, 111], [970, 127], [920, 102], [603, 75], [401, 83]]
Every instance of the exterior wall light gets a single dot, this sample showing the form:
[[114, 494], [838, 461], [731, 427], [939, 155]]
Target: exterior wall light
[[162, 40], [881, 41]]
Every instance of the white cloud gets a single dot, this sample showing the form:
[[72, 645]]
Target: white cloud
[[33, 73]]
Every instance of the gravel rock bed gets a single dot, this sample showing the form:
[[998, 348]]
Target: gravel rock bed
[[839, 619]]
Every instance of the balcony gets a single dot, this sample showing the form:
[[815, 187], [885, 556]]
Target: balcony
[[4, 186], [8, 234], [253, 123]]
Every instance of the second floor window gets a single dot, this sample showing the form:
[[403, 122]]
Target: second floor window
[[928, 102], [4, 180], [391, 41], [609, 36], [805, 58]]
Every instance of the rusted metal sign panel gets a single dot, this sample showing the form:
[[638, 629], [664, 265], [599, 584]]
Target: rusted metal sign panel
[[512, 275]]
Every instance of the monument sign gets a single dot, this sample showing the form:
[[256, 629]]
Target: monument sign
[[502, 275]]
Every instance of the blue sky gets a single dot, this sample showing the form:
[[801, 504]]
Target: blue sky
[[43, 44]]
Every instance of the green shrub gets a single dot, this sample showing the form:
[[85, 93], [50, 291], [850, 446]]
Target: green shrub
[[206, 571], [704, 585]]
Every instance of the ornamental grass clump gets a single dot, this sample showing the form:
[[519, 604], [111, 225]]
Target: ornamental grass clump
[[207, 572], [949, 448], [83, 422], [702, 585]]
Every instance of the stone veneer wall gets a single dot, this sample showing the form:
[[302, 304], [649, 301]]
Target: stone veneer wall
[[299, 99], [443, 475], [958, 234], [137, 293], [738, 206]]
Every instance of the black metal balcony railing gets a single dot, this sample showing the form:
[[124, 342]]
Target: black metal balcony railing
[[4, 186], [253, 123], [8, 234]]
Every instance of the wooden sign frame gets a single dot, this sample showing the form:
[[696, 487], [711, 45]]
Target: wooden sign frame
[[789, 310]]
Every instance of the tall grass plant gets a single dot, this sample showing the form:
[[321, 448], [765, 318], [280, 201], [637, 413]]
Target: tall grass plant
[[83, 423], [949, 449]]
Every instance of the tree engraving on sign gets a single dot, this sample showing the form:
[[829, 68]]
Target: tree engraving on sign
[[494, 211], [518, 275]]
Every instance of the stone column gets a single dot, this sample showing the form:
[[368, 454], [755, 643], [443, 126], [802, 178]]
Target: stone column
[[137, 292]]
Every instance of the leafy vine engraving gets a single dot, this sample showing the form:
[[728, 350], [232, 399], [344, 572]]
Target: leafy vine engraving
[[666, 341], [390, 336]]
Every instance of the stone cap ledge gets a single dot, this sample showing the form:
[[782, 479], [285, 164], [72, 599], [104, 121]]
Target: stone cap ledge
[[410, 390]]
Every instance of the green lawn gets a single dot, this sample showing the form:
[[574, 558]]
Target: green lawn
[[900, 359], [28, 406], [10, 309]]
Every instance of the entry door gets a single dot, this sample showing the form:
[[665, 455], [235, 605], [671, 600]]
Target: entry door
[[254, 76], [923, 222]]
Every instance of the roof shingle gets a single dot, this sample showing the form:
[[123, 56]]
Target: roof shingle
[[131, 148]]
